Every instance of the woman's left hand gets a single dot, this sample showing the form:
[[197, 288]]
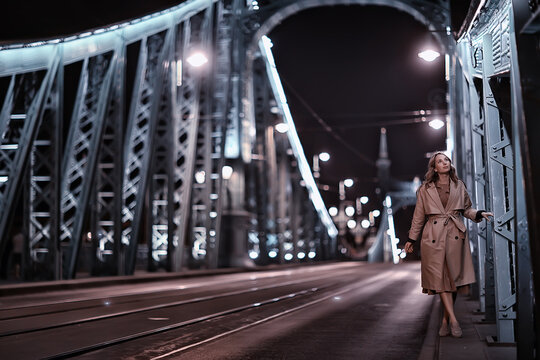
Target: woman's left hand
[[486, 215]]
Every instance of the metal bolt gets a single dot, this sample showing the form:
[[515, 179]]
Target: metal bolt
[[505, 315], [499, 221]]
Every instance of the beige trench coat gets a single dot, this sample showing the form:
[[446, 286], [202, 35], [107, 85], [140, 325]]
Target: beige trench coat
[[444, 235]]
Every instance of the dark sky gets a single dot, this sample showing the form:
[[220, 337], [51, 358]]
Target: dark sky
[[355, 67], [349, 66]]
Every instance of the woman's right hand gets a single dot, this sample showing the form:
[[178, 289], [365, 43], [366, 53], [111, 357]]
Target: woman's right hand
[[408, 247]]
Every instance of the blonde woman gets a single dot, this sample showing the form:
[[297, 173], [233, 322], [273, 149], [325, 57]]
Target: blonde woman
[[441, 202]]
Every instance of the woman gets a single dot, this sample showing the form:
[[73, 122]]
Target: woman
[[446, 256]]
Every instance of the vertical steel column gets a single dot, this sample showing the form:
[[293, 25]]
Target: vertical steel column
[[500, 166], [185, 133], [80, 156], [106, 222], [153, 62], [220, 103], [485, 263], [19, 127], [525, 290], [527, 127], [272, 239], [200, 192], [42, 258], [159, 215]]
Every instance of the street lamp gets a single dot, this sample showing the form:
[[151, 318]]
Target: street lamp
[[436, 124], [282, 128], [428, 55], [197, 59], [324, 156]]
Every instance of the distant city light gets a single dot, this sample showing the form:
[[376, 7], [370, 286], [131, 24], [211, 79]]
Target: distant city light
[[324, 156], [253, 254], [349, 211], [282, 128], [333, 211], [436, 124], [365, 223], [197, 59], [376, 213], [301, 255], [428, 55], [364, 199], [272, 254], [348, 182], [351, 224], [226, 172], [311, 254], [200, 177], [288, 256]]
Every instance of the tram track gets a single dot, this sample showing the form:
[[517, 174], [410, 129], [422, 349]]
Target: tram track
[[292, 301], [18, 325]]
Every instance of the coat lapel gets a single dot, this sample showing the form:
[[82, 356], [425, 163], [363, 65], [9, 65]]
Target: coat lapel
[[432, 191]]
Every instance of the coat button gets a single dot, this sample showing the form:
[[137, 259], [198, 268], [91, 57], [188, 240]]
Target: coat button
[[435, 222], [432, 241], [457, 238]]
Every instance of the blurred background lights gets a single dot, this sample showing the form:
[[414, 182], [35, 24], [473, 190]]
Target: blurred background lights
[[351, 224], [311, 254], [301, 255], [272, 254], [253, 254], [348, 182], [324, 156], [288, 256], [197, 59], [428, 55], [376, 213], [364, 200], [226, 172], [436, 124], [282, 128], [200, 177], [333, 211], [365, 223], [349, 210]]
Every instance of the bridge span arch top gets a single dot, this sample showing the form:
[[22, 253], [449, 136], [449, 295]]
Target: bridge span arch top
[[435, 15]]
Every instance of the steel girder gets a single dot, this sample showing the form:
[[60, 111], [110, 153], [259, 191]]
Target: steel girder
[[20, 119]]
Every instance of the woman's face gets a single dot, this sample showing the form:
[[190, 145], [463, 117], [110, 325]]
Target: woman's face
[[442, 164]]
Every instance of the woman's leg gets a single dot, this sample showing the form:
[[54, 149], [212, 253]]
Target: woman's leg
[[448, 302]]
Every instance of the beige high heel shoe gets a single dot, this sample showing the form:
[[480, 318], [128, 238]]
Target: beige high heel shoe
[[455, 329]]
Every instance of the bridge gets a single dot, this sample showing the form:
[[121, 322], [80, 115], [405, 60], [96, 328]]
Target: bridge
[[174, 152]]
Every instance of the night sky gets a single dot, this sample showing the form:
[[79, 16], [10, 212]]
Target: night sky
[[354, 67]]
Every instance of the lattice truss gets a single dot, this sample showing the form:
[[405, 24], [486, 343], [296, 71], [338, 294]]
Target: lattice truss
[[487, 57], [126, 164]]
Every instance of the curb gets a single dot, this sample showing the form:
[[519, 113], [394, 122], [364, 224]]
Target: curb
[[430, 346]]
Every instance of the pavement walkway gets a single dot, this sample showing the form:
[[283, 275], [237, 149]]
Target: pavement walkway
[[474, 343]]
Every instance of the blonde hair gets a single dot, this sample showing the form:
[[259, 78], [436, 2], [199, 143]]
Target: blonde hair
[[432, 176]]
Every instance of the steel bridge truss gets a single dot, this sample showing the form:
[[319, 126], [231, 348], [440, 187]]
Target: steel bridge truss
[[490, 141], [113, 146]]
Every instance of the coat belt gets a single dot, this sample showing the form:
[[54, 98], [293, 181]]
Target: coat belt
[[459, 224]]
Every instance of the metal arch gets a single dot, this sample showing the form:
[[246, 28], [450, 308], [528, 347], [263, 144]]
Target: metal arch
[[434, 14]]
